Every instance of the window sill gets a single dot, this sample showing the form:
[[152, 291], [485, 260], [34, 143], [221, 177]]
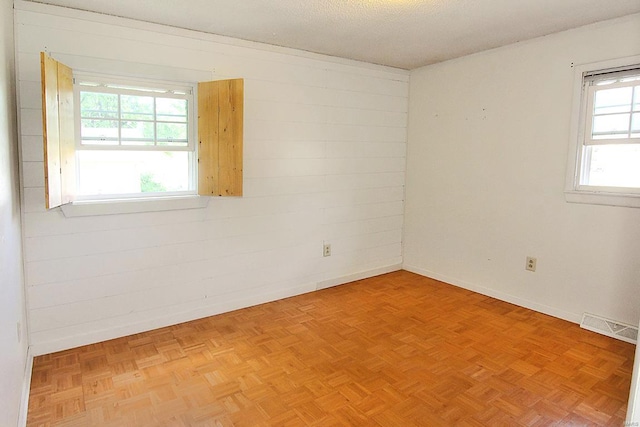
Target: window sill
[[607, 199], [127, 206]]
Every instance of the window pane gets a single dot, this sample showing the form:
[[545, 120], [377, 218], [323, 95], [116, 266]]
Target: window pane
[[137, 133], [610, 126], [132, 172], [635, 126], [614, 166], [136, 107], [99, 131], [99, 105], [171, 110], [613, 100], [170, 133], [636, 98]]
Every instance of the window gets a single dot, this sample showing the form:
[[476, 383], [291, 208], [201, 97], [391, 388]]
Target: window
[[133, 138], [605, 162], [107, 138]]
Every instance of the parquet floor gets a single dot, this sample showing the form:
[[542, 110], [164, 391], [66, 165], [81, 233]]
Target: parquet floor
[[395, 350]]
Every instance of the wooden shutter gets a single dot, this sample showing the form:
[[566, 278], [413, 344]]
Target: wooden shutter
[[58, 132], [220, 134]]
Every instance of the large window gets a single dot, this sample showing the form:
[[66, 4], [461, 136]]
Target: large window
[[107, 138], [606, 159], [133, 138]]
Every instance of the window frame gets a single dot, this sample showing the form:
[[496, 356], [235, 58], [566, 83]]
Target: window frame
[[575, 191], [192, 116]]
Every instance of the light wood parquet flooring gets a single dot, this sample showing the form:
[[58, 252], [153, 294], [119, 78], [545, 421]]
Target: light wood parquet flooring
[[395, 350]]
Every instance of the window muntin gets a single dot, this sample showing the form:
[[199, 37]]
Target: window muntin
[[609, 158], [614, 106], [133, 139], [126, 115]]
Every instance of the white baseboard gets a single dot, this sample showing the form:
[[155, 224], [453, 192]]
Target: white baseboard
[[357, 276], [545, 309], [167, 319], [26, 387], [188, 315]]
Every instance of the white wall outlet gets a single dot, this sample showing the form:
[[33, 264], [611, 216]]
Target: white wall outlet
[[326, 249], [531, 263]]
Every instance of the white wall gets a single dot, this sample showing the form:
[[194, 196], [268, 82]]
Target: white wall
[[487, 153], [13, 347], [325, 143]]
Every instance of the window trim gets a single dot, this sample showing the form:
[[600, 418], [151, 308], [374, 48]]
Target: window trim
[[81, 208], [574, 192]]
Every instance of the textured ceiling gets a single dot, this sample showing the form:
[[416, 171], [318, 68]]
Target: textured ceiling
[[399, 33]]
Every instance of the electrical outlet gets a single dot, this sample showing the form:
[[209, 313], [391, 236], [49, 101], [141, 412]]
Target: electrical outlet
[[531, 263], [326, 249]]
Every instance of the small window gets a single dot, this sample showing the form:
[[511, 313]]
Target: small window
[[605, 164], [106, 138], [133, 138]]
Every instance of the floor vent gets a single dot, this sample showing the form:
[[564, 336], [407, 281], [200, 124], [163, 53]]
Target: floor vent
[[609, 328]]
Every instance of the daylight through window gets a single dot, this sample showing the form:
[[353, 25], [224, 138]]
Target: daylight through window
[[133, 139], [611, 147]]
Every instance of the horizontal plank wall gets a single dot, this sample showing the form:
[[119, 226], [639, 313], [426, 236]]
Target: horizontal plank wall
[[324, 160], [487, 156]]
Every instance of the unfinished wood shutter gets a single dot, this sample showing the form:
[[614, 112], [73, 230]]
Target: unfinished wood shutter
[[220, 134], [58, 132]]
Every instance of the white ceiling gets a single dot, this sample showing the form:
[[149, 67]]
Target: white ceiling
[[399, 33]]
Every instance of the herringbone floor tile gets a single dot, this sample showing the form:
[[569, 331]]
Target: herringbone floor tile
[[396, 350]]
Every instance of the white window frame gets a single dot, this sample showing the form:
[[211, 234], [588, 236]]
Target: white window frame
[[579, 140], [109, 84]]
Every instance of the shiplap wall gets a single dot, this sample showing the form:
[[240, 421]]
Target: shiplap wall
[[325, 144]]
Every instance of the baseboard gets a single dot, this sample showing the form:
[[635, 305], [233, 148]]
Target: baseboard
[[156, 322], [358, 276], [167, 319], [185, 316], [541, 308], [26, 387]]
